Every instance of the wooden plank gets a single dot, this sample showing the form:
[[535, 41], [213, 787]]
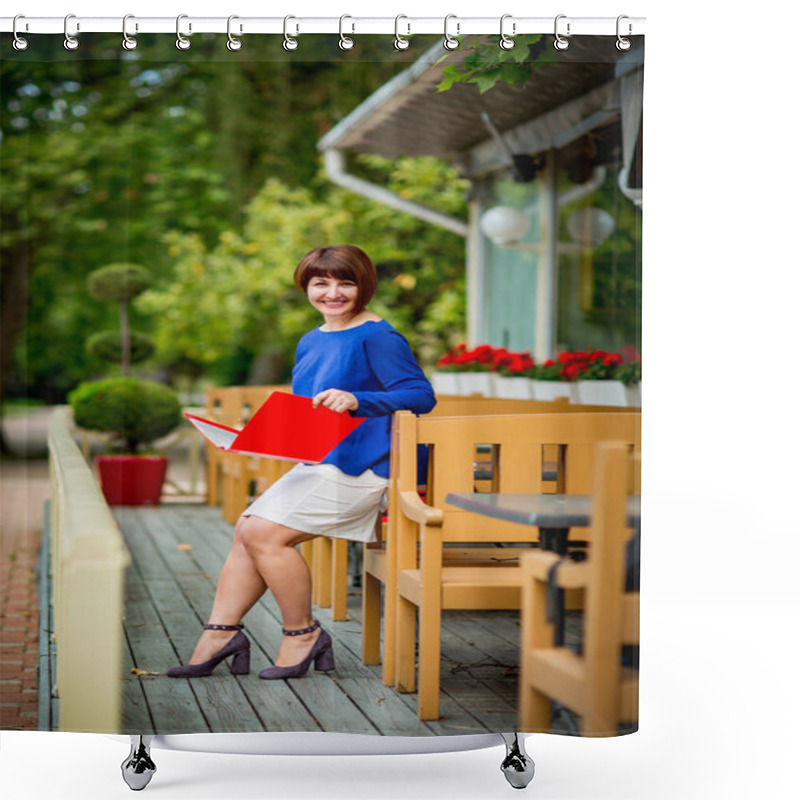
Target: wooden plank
[[221, 703], [180, 585], [220, 696], [454, 719], [135, 715], [172, 705], [328, 707], [461, 656]]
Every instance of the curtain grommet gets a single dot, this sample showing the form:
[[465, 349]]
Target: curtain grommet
[[623, 44], [345, 42], [233, 44], [70, 42], [182, 43], [128, 42], [289, 43], [451, 42], [400, 42], [507, 42], [20, 43], [561, 42]]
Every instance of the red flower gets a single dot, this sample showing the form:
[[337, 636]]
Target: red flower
[[571, 371], [630, 354]]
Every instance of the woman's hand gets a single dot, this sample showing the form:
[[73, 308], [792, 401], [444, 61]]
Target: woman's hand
[[336, 400]]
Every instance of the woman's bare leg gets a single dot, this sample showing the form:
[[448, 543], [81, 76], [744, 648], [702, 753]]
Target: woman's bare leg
[[239, 587], [272, 549]]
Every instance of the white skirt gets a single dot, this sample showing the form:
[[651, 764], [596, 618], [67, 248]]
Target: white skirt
[[321, 499]]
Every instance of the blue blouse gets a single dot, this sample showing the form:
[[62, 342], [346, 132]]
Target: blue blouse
[[374, 362]]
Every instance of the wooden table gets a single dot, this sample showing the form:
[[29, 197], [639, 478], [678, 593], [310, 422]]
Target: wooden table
[[553, 514]]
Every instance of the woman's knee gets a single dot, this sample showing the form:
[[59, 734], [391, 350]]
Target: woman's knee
[[257, 534]]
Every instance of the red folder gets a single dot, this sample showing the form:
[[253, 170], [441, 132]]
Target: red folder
[[285, 427]]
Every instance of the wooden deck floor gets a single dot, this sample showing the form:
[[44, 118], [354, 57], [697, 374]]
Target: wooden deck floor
[[169, 593]]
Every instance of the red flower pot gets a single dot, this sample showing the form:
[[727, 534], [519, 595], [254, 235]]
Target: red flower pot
[[132, 480]]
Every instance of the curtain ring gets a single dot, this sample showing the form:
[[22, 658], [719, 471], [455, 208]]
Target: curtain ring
[[20, 42], [288, 42], [450, 42], [622, 43], [128, 42], [233, 44], [561, 43], [70, 42], [182, 43], [400, 42], [345, 42], [507, 42]]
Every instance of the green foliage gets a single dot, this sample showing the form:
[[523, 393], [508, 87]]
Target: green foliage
[[629, 374], [107, 346], [134, 411], [104, 153], [487, 64], [118, 283], [236, 298]]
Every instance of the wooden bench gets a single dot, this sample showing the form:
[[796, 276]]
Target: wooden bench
[[426, 583], [594, 684]]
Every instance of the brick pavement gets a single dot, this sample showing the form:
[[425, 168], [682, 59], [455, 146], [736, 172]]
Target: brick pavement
[[24, 485]]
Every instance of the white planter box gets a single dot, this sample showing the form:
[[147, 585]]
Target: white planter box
[[601, 393], [513, 388], [446, 382], [551, 390], [634, 395], [477, 383]]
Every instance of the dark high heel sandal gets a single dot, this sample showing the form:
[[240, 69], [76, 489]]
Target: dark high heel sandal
[[238, 647], [321, 654]]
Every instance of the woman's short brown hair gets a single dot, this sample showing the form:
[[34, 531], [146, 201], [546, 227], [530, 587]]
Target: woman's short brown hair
[[341, 261]]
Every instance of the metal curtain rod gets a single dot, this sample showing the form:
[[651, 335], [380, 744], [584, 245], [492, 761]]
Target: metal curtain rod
[[406, 26]]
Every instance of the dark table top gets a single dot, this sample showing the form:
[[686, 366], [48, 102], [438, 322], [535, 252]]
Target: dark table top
[[542, 510]]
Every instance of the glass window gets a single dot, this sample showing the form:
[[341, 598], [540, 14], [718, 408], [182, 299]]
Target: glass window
[[599, 262], [510, 271]]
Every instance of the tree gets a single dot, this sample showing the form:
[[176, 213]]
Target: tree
[[105, 151], [487, 64], [119, 283], [235, 300]]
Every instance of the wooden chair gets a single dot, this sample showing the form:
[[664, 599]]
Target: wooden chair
[[240, 473], [380, 560], [223, 405], [426, 583], [594, 684]]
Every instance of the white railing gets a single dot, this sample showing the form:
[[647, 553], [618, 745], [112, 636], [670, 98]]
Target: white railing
[[88, 561]]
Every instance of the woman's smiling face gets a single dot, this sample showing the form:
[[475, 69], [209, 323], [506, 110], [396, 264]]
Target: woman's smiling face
[[334, 298]]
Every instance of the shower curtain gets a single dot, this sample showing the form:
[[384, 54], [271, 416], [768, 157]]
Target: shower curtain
[[497, 190]]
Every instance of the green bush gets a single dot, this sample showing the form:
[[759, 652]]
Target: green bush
[[118, 283], [134, 411], [107, 346]]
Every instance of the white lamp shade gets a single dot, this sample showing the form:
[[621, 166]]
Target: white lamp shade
[[504, 224], [590, 226]]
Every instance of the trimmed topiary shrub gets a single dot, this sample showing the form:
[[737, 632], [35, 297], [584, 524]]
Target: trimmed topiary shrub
[[118, 283], [108, 346], [135, 411]]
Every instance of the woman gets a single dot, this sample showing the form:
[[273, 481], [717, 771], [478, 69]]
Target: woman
[[354, 363]]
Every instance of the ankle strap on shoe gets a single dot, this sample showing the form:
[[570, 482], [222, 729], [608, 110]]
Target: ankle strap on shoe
[[301, 631], [222, 627]]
